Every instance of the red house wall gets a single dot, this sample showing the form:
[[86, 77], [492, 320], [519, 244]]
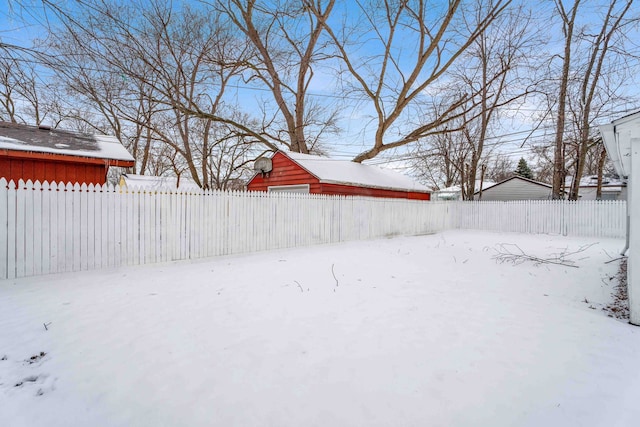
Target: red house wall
[[40, 167], [287, 172]]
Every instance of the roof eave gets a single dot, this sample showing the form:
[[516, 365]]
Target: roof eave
[[68, 158]]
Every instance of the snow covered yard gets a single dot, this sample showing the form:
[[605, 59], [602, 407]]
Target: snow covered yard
[[415, 331]]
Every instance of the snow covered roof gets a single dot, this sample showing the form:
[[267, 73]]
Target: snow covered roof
[[345, 172], [17, 137], [157, 182], [457, 189], [452, 189], [592, 181]]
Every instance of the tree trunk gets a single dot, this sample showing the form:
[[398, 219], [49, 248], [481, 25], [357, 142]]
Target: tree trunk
[[558, 158]]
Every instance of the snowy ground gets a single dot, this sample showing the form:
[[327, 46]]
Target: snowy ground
[[417, 331]]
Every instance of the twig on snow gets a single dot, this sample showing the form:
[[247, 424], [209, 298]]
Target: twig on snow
[[296, 282], [510, 252], [334, 275]]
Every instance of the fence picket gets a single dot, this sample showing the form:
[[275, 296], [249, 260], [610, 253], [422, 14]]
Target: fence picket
[[45, 224], [53, 227], [37, 228], [76, 225], [85, 240], [20, 225], [29, 232], [4, 237], [68, 228]]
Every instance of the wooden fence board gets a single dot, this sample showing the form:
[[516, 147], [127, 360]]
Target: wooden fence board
[[4, 231]]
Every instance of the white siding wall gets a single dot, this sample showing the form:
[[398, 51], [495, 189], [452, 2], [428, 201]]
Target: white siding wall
[[516, 189]]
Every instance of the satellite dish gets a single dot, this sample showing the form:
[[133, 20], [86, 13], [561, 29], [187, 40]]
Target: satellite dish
[[263, 165]]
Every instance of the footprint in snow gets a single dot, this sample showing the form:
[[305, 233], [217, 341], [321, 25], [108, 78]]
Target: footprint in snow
[[26, 380], [43, 382]]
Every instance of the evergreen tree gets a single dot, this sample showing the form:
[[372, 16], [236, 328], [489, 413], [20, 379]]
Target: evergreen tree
[[523, 169]]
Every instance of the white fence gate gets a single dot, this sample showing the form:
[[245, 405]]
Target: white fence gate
[[53, 228]]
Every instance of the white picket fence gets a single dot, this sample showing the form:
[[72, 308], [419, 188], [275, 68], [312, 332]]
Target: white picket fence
[[52, 228], [595, 218], [58, 228]]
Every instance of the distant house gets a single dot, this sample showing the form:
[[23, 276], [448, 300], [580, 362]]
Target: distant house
[[455, 192], [516, 188], [154, 183], [304, 173], [45, 154], [612, 188]]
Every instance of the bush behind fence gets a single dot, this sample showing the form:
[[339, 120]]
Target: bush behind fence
[[51, 228]]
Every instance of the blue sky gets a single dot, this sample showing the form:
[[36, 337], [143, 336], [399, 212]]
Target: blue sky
[[11, 30], [356, 135]]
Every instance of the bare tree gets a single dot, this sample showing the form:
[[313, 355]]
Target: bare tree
[[499, 168], [568, 25], [541, 156], [494, 69], [392, 76], [286, 37], [8, 90], [158, 78], [588, 58], [439, 160], [491, 74], [588, 78], [20, 90]]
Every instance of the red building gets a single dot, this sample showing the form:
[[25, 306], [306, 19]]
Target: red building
[[304, 173], [45, 154]]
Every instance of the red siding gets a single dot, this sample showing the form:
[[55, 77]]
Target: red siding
[[15, 168], [287, 172], [419, 196], [58, 171], [49, 169]]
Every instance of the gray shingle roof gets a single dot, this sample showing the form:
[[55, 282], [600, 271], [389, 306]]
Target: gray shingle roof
[[18, 137]]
